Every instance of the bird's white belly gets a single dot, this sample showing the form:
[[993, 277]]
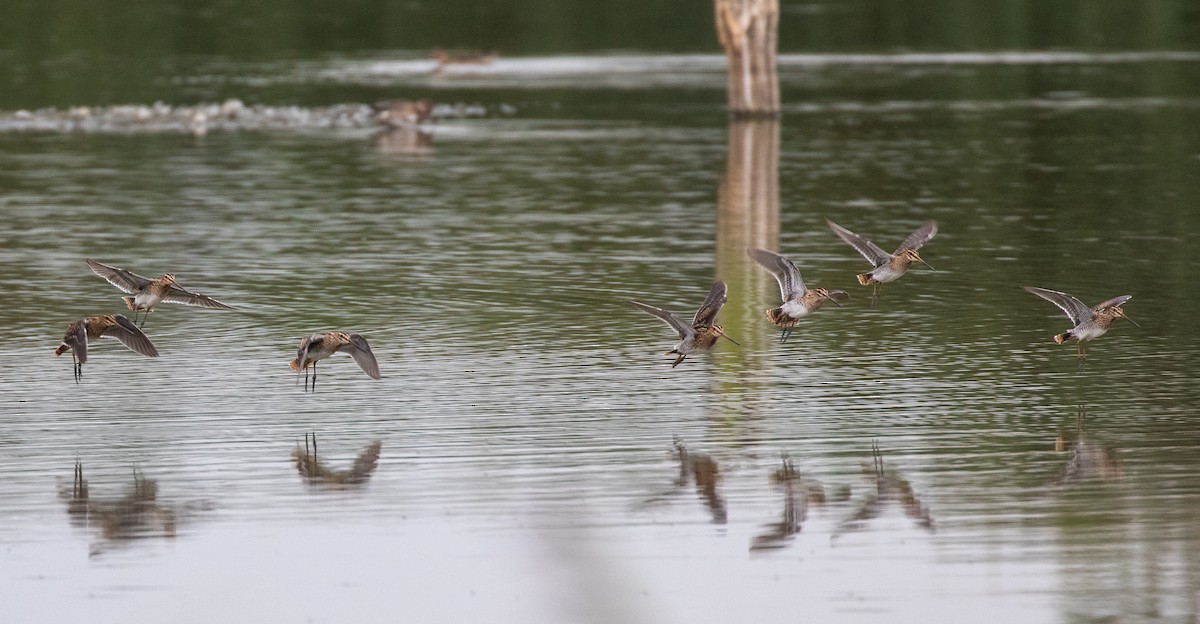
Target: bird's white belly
[[1087, 332], [885, 274], [794, 309], [146, 300]]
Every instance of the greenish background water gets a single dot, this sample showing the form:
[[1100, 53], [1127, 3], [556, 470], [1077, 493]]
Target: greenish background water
[[526, 413]]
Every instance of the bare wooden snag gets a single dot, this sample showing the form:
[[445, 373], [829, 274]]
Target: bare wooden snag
[[748, 30]]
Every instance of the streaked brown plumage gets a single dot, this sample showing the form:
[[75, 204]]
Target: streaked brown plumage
[[324, 344], [798, 301], [148, 293], [85, 330], [888, 267], [1090, 323], [702, 334]]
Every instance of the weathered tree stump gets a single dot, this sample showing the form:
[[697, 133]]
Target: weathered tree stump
[[748, 30]]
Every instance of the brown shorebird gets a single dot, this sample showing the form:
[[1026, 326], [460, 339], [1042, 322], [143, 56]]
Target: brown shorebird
[[85, 330], [702, 334], [1090, 323], [401, 113], [148, 293], [324, 344], [798, 301], [889, 267]]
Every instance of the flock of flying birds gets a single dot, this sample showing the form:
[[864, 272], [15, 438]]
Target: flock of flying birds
[[800, 301], [698, 337], [147, 293]]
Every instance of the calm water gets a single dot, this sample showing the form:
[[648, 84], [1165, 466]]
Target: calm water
[[526, 414]]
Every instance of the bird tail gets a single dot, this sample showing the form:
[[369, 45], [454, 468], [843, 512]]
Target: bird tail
[[1063, 337], [864, 279], [129, 303], [776, 316], [62, 348], [295, 364]]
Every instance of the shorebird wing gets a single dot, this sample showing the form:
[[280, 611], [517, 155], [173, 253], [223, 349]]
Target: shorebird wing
[[78, 341], [791, 285], [711, 306], [919, 237], [176, 294], [1115, 302], [130, 336], [869, 250], [361, 352], [127, 281], [1074, 308], [670, 319]]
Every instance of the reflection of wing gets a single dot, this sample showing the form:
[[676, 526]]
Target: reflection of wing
[[130, 336], [176, 294], [670, 319], [127, 281], [1115, 302], [361, 352], [1074, 308], [784, 270], [919, 237], [711, 306], [869, 250]]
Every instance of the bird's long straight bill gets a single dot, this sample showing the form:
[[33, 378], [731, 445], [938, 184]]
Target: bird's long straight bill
[[726, 337], [1135, 324], [927, 265]]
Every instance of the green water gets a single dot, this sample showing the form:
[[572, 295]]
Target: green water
[[526, 412]]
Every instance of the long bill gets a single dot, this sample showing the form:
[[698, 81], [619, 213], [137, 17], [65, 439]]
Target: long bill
[[722, 333], [1130, 320]]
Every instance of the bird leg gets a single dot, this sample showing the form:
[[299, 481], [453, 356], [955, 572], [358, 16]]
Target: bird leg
[[677, 361], [787, 333], [76, 369]]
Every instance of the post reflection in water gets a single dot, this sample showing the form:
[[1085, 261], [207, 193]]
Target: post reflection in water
[[748, 216], [798, 494], [315, 473], [1089, 460], [890, 487], [137, 514]]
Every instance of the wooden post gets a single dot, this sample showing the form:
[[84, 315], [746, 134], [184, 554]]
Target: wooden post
[[748, 30]]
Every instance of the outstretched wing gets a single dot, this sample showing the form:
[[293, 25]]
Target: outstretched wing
[[869, 250], [176, 294], [670, 319], [127, 281], [361, 352], [918, 238], [711, 306], [1074, 308], [130, 336], [784, 270], [1115, 302]]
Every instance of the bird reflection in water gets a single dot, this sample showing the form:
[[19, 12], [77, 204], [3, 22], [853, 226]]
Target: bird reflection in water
[[1088, 459], [312, 470], [704, 472], [404, 141], [137, 514], [890, 487], [798, 494]]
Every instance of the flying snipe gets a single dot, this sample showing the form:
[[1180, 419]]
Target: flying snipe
[[83, 331], [798, 301], [148, 293], [702, 334], [888, 267], [324, 344], [1090, 323]]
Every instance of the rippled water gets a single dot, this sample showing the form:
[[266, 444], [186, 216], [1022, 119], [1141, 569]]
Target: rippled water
[[527, 416]]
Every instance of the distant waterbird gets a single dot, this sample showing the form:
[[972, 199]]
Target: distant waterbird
[[321, 345], [401, 113], [889, 267], [148, 293], [1090, 323], [702, 334], [85, 330], [798, 301]]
